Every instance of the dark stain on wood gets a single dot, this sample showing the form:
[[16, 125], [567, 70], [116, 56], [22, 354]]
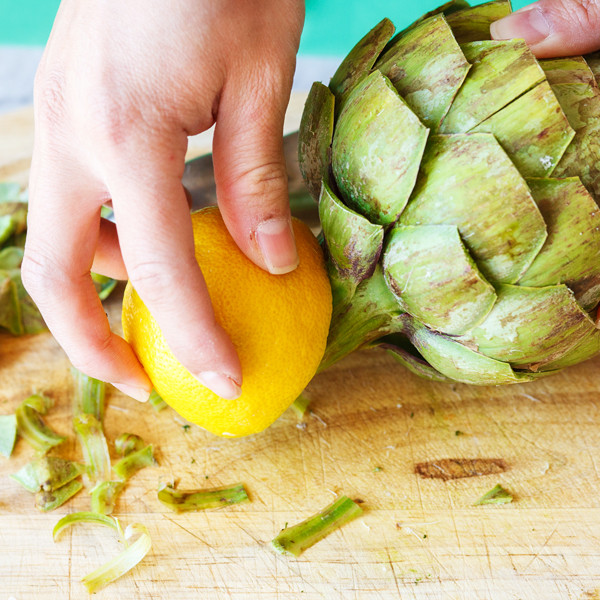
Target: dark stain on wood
[[457, 468]]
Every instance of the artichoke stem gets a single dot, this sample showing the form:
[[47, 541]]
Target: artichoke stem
[[194, 500], [292, 541], [362, 318], [89, 395]]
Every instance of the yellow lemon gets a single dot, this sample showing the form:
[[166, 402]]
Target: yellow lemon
[[278, 325]]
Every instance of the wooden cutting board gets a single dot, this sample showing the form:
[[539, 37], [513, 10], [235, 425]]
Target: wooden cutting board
[[420, 537]]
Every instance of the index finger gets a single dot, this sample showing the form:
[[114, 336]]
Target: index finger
[[157, 243], [56, 273]]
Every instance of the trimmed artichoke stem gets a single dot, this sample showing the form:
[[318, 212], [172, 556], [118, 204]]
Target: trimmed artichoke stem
[[104, 496], [371, 313], [94, 447], [89, 395], [8, 434], [194, 500], [50, 500], [131, 463], [31, 426], [157, 402], [292, 541]]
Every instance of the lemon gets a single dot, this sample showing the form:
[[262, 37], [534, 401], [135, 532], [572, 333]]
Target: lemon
[[278, 325]]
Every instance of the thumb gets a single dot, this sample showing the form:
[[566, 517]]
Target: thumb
[[250, 170], [554, 27]]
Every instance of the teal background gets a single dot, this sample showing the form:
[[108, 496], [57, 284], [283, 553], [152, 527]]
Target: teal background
[[332, 26], [26, 22]]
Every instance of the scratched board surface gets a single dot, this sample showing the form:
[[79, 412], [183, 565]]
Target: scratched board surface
[[377, 433]]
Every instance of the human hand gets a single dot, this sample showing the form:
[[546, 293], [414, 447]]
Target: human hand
[[554, 27], [120, 87]]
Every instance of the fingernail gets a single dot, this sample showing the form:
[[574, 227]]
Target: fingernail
[[530, 25], [221, 385], [136, 393], [276, 242]]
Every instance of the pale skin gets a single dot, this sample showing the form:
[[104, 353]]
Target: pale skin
[[120, 87]]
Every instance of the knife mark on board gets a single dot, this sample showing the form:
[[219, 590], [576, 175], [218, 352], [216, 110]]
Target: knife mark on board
[[457, 468]]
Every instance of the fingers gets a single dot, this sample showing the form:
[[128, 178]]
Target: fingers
[[155, 230], [56, 273], [554, 27], [250, 170], [108, 259]]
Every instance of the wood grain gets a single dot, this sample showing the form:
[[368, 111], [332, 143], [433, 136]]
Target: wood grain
[[420, 538]]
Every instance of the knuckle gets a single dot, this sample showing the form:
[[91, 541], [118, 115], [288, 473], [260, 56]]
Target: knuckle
[[98, 111], [116, 124], [90, 361], [153, 279], [38, 275], [262, 186], [186, 348], [109, 122], [268, 181], [587, 14], [50, 97], [46, 277]]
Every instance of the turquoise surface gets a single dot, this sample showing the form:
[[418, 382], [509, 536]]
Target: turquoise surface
[[26, 22], [332, 26]]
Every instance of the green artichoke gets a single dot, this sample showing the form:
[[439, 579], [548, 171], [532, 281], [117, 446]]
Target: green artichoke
[[457, 180], [18, 313]]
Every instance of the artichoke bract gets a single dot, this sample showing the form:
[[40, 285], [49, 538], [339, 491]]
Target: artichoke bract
[[457, 179]]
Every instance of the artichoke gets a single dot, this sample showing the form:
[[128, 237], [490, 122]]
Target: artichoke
[[457, 179]]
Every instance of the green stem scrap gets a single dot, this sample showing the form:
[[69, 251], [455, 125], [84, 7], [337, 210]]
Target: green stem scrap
[[89, 395], [50, 500], [157, 402], [94, 447], [300, 405], [292, 541], [130, 464], [47, 474], [31, 426], [194, 500], [104, 496], [497, 495], [84, 517], [127, 443], [118, 566], [8, 434], [104, 285]]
